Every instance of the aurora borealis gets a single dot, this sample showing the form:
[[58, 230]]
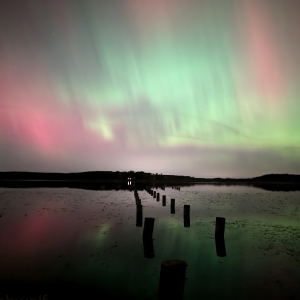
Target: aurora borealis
[[192, 87]]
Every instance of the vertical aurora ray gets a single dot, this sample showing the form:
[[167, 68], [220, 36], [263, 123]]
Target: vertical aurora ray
[[144, 84]]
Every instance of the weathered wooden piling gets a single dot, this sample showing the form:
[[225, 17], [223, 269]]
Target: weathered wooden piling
[[172, 206], [138, 201], [154, 194], [139, 216], [137, 198], [220, 227], [186, 216], [157, 196], [219, 236], [172, 279], [164, 201], [148, 228]]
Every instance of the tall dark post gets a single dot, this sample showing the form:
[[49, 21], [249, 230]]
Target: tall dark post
[[219, 236], [172, 206], [220, 227], [186, 216], [147, 238], [164, 200], [157, 196], [137, 199], [139, 216], [172, 279], [154, 194]]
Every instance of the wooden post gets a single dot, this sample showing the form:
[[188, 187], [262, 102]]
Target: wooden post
[[137, 198], [186, 216], [172, 206], [154, 194], [148, 228], [157, 196], [172, 279], [220, 227], [164, 200], [219, 236]]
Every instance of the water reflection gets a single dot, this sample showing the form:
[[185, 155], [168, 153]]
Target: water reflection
[[148, 238], [148, 248], [220, 246], [139, 216], [90, 239], [186, 216]]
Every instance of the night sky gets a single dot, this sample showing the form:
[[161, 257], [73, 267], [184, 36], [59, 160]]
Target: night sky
[[191, 87]]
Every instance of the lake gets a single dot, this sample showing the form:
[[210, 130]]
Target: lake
[[65, 243]]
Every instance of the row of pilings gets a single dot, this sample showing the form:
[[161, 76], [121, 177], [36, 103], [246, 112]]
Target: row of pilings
[[186, 208], [172, 272]]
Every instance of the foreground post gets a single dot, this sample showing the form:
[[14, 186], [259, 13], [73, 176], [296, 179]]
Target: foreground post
[[164, 200], [157, 196], [172, 279], [186, 216], [172, 206], [139, 216]]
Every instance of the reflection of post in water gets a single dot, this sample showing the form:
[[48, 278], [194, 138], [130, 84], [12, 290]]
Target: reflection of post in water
[[172, 279], [220, 226], [148, 248], [219, 237], [220, 246], [148, 228], [147, 238], [139, 216], [172, 206], [186, 216], [164, 200], [157, 196]]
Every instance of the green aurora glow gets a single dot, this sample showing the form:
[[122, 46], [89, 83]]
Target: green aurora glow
[[140, 84]]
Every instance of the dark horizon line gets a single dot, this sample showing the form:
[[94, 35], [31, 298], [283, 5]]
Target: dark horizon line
[[268, 176]]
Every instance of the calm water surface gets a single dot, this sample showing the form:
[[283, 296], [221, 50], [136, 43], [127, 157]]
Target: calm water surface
[[89, 239]]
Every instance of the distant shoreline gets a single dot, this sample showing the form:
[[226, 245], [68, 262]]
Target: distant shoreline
[[119, 180]]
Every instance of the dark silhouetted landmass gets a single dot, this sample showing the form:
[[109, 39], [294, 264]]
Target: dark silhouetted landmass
[[119, 180]]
